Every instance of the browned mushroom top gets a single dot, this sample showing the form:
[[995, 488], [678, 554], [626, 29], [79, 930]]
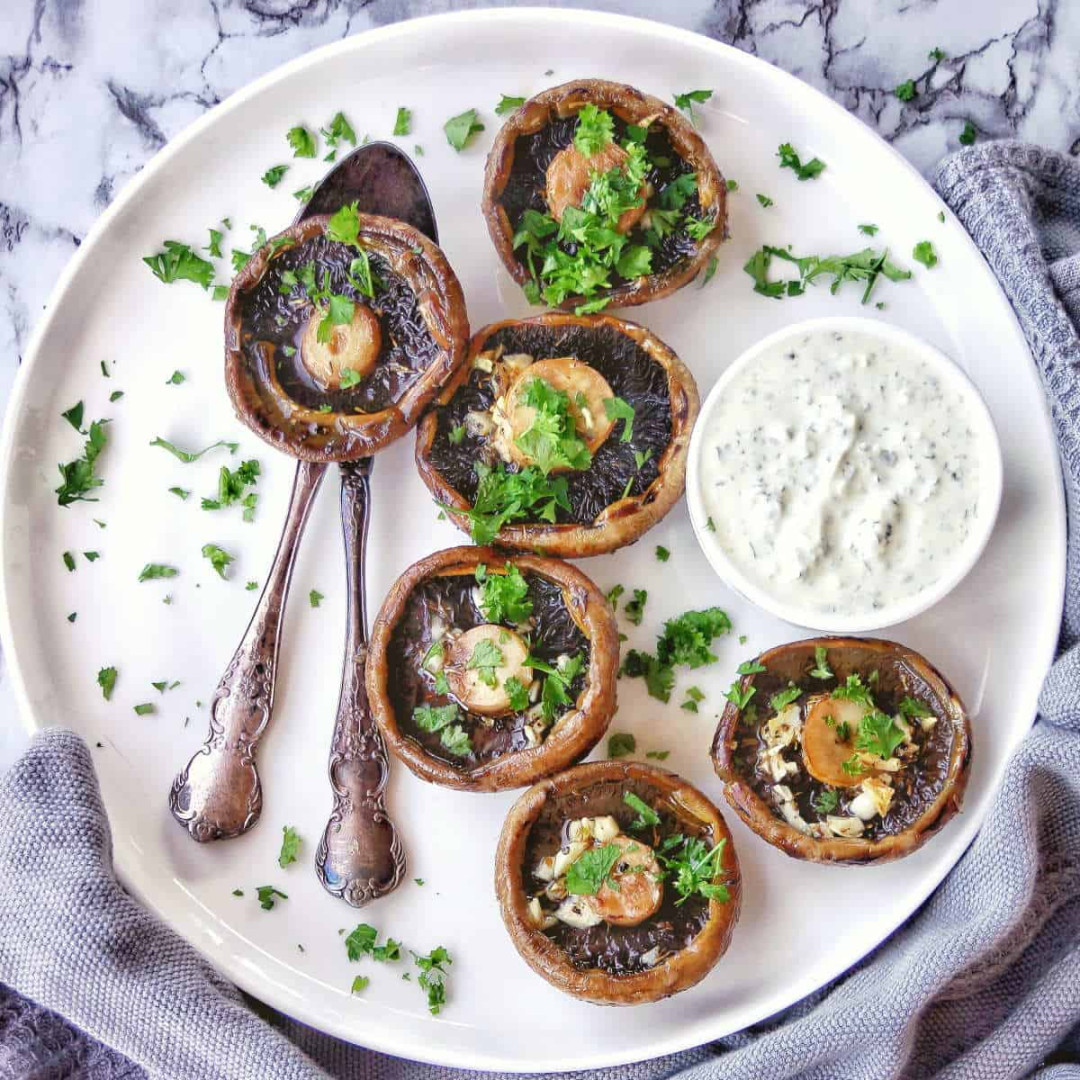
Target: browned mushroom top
[[618, 882], [597, 192], [481, 664], [564, 433], [339, 331], [843, 741]]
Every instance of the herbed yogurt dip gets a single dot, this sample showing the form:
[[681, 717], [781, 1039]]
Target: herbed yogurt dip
[[840, 472]]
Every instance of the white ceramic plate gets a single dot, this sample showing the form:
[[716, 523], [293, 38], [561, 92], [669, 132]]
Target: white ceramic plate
[[993, 636]]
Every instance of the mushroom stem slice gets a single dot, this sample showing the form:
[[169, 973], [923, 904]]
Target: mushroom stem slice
[[353, 346], [570, 174], [632, 892], [828, 739], [480, 663]]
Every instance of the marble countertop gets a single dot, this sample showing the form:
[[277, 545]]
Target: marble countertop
[[91, 89]]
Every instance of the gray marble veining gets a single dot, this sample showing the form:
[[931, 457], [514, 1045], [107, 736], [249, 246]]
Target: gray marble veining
[[91, 89]]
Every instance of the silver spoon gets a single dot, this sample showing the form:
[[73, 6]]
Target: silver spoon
[[218, 795]]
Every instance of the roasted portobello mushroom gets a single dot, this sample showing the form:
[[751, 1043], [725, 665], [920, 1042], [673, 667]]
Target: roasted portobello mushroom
[[596, 193], [845, 750], [488, 671], [562, 433], [618, 882], [339, 331]]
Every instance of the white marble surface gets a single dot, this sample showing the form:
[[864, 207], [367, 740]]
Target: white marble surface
[[91, 89]]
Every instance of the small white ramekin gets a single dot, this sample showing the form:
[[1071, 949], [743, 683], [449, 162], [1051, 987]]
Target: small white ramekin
[[990, 485]]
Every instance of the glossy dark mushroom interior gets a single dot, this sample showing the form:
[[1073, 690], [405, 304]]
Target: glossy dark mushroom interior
[[363, 386], [846, 750], [474, 696], [531, 151], [636, 470], [647, 929]]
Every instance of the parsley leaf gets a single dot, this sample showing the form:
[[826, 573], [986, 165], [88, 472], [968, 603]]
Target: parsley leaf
[[516, 693], [967, 136], [693, 867], [878, 734], [924, 252], [74, 416], [789, 159], [868, 230], [905, 91], [219, 559], [861, 266], [764, 200], [686, 639], [646, 815], [152, 571], [936, 54], [659, 678], [106, 679], [551, 441], [433, 976], [785, 697], [290, 846], [78, 477], [635, 608], [145, 709], [916, 710], [854, 690], [486, 658], [503, 497], [504, 597], [302, 142], [179, 263], [595, 130], [443, 719], [231, 486], [461, 128], [821, 669], [267, 894], [315, 598], [825, 801], [662, 553], [621, 744], [508, 104], [187, 456], [271, 178], [586, 875], [359, 984], [403, 121], [686, 101], [618, 409]]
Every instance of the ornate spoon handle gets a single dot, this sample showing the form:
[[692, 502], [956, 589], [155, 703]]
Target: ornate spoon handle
[[218, 795], [360, 856]]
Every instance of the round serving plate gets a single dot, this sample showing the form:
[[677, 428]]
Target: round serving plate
[[993, 636]]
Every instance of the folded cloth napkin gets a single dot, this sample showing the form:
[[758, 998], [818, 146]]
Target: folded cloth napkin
[[984, 981]]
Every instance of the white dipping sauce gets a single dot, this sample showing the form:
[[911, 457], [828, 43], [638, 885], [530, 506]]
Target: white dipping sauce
[[841, 473]]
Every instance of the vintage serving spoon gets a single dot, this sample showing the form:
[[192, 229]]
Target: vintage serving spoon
[[218, 795]]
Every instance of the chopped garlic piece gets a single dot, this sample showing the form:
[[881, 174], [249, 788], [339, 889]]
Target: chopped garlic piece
[[545, 868], [652, 957], [566, 856], [782, 728], [850, 828], [574, 911], [875, 799], [484, 361]]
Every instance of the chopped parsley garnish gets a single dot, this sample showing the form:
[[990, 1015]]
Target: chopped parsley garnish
[[646, 815], [504, 597], [444, 720], [507, 104], [916, 710], [145, 709], [188, 456], [694, 696], [214, 247], [152, 571], [685, 640], [693, 867], [740, 696], [821, 669], [179, 263], [686, 101], [403, 121], [74, 416], [861, 266], [91, 556], [73, 616], [924, 252], [219, 559], [621, 744], [486, 658], [854, 690], [635, 608], [878, 734], [433, 976], [785, 697], [905, 91], [267, 896], [936, 54], [290, 846], [659, 678], [853, 766], [304, 194], [764, 200], [503, 497], [359, 984], [163, 684], [586, 874], [595, 130], [618, 409], [176, 379], [78, 476], [710, 271], [302, 142], [614, 593], [106, 679], [271, 178], [116, 395], [456, 434], [868, 230], [662, 553], [554, 695], [315, 598], [658, 755], [231, 485], [551, 440], [825, 801], [640, 458], [461, 128], [251, 586], [338, 131], [967, 136], [516, 694], [789, 159]]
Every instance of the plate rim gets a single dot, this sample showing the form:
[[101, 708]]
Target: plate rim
[[420, 28]]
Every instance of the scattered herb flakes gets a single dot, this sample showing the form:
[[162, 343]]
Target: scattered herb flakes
[[732, 185], [176, 379], [238, 892], [587, 873], [937, 55], [433, 975], [214, 247], [924, 252], [685, 640], [634, 609], [710, 526], [251, 586], [290, 846], [231, 489], [821, 669], [764, 200], [868, 230], [853, 689], [359, 983], [78, 477], [783, 698], [444, 720], [710, 271], [116, 395], [693, 867], [905, 91], [503, 497], [268, 895], [967, 136], [941, 216], [74, 416], [662, 553], [180, 493], [105, 370], [686, 102], [789, 159], [153, 571], [163, 684], [659, 678], [646, 815], [73, 616], [825, 801], [914, 709], [179, 263], [878, 734], [188, 456], [219, 559], [621, 744], [339, 130], [106, 679], [614, 593], [145, 709], [304, 194], [461, 128], [91, 556], [403, 121], [504, 597], [271, 178], [864, 266], [618, 409], [315, 598], [507, 104], [694, 696], [302, 142], [658, 755], [69, 561]]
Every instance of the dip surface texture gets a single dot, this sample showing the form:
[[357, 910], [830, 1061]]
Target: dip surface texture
[[840, 471]]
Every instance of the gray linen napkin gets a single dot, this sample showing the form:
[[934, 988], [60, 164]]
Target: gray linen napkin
[[983, 981]]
